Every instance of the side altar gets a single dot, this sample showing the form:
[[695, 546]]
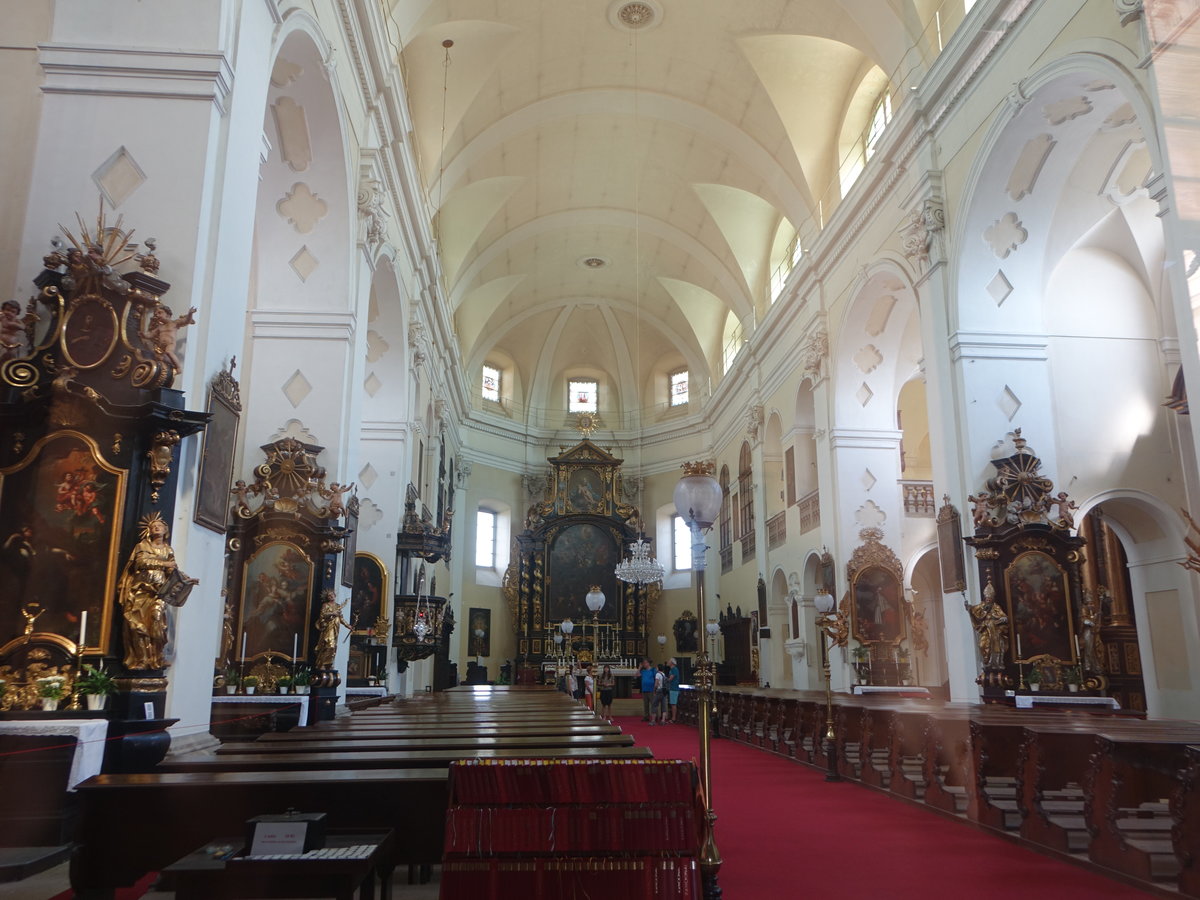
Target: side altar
[[572, 541]]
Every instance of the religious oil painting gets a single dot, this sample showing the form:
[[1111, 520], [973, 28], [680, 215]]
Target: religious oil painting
[[275, 599], [369, 592], [877, 612], [216, 464], [585, 492], [1038, 603], [60, 510], [580, 556], [479, 631]]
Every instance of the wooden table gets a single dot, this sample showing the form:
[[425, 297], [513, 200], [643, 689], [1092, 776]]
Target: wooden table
[[211, 872]]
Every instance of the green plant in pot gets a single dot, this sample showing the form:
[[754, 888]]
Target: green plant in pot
[[1035, 678], [250, 683], [1073, 676], [284, 683], [97, 685], [302, 680], [51, 689]]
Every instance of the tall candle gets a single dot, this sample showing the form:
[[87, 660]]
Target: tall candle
[[243, 645], [1019, 653], [83, 631], [295, 644]]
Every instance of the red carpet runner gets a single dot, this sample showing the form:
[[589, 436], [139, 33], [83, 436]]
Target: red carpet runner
[[783, 831]]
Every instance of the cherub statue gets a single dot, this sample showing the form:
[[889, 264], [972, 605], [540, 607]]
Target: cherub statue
[[14, 339], [1065, 509], [333, 494], [163, 333]]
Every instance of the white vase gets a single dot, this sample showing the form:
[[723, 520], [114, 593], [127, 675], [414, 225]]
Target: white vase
[[250, 688], [96, 702], [1035, 687], [1073, 688], [49, 704], [231, 688], [302, 689], [283, 689]]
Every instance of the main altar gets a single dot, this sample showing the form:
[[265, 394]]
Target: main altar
[[573, 539]]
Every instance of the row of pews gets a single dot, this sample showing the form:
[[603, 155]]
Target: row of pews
[[381, 768], [1117, 790]]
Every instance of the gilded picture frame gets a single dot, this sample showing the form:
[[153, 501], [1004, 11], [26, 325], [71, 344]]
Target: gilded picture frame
[[951, 558], [61, 509], [277, 589], [877, 608], [368, 595], [1039, 607]]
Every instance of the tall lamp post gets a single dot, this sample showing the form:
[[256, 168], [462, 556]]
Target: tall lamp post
[[832, 625], [698, 502]]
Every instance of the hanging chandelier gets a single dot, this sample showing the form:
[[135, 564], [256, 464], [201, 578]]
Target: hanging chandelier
[[640, 567]]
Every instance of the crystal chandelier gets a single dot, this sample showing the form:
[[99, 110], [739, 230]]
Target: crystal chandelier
[[640, 567]]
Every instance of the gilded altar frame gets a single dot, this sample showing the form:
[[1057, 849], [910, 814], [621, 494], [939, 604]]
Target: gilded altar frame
[[573, 538]]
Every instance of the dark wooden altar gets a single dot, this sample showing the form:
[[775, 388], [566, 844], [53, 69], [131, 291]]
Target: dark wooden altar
[[91, 428], [1035, 623], [573, 539]]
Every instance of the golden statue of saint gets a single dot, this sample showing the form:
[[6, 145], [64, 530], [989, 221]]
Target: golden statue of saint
[[329, 625], [150, 581]]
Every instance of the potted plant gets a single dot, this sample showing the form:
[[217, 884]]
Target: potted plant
[[860, 655], [51, 688], [97, 685], [284, 683], [232, 680], [1073, 676], [1035, 678], [250, 683], [301, 681]]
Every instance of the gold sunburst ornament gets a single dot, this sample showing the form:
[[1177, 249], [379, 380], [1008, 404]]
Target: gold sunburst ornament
[[586, 423]]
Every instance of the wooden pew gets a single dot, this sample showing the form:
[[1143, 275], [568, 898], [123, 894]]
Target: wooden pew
[[1131, 777], [499, 741], [135, 824]]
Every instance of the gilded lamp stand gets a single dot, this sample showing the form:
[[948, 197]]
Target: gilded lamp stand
[[830, 624], [698, 501]]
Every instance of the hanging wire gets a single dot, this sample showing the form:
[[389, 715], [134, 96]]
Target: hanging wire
[[437, 231]]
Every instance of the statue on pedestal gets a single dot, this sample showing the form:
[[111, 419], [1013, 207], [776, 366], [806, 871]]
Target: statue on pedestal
[[150, 582]]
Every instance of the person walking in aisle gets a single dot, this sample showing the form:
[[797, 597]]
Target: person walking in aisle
[[673, 686], [658, 704], [608, 687], [647, 688]]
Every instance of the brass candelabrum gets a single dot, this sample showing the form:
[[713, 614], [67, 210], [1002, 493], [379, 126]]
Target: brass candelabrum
[[705, 674], [832, 625]]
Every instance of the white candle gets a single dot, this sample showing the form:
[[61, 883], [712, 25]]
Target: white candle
[[83, 631], [295, 644], [243, 645], [1019, 653]]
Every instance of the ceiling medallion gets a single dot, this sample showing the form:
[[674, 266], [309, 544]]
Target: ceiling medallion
[[635, 15], [593, 262]]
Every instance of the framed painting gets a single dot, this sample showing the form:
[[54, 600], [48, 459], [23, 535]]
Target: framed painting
[[369, 592], [585, 492], [217, 452], [580, 556], [350, 543], [277, 588], [876, 611], [479, 631], [1039, 606], [951, 559], [61, 509]]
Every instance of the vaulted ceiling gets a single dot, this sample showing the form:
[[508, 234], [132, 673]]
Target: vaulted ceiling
[[614, 183]]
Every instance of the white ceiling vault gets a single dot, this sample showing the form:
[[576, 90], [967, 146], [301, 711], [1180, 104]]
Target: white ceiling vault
[[681, 154]]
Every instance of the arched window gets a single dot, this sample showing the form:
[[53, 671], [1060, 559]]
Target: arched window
[[745, 494], [726, 510]]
